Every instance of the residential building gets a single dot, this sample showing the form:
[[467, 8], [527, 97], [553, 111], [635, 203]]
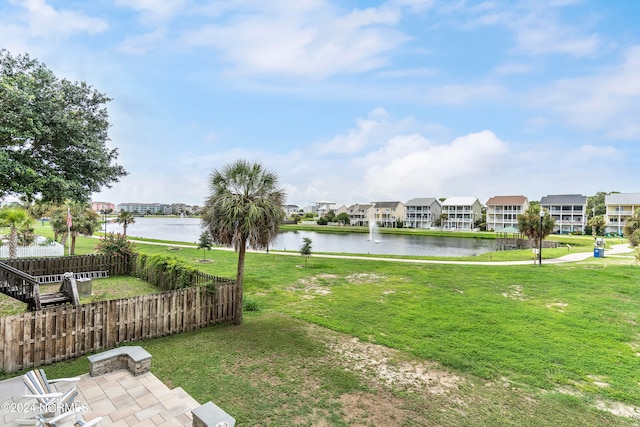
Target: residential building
[[503, 212], [461, 213], [568, 210], [323, 208], [310, 209], [102, 207], [145, 208], [620, 207], [422, 212], [290, 210], [387, 214], [359, 215]]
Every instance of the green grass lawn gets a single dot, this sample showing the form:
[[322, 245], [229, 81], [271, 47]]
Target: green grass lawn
[[503, 345]]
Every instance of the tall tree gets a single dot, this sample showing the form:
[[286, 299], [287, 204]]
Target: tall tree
[[14, 218], [53, 134], [83, 221], [529, 224], [595, 204], [125, 218], [244, 208], [343, 218]]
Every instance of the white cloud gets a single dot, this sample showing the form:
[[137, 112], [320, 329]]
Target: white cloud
[[138, 45], [44, 20], [154, 11], [608, 101], [537, 36], [411, 164], [590, 152], [536, 26], [314, 39], [355, 140]]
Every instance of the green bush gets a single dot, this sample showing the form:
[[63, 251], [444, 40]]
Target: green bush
[[165, 271], [115, 244]]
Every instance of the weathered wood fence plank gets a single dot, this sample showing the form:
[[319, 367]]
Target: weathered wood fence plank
[[33, 339]]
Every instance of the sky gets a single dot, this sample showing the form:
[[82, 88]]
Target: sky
[[353, 101]]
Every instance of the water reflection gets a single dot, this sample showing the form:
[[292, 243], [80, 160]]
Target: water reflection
[[188, 230]]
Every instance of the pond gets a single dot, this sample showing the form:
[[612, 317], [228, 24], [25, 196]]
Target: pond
[[189, 229]]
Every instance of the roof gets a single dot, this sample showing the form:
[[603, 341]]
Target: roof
[[391, 205], [460, 201], [422, 201], [564, 199], [622, 199], [359, 206], [507, 200]]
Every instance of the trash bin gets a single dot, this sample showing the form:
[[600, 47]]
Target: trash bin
[[84, 286], [598, 252]]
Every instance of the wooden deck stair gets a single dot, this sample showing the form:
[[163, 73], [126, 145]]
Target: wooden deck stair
[[26, 288], [55, 298]]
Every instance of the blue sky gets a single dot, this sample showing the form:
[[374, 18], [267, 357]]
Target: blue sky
[[354, 101]]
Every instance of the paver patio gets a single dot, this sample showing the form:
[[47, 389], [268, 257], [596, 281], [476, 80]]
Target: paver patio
[[120, 397]]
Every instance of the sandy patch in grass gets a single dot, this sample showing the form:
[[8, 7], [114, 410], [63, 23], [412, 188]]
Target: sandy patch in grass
[[599, 380], [315, 285], [616, 408], [619, 409], [360, 278], [560, 306], [382, 364], [635, 346], [515, 293]]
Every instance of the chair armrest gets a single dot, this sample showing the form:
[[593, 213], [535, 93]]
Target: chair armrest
[[65, 380], [44, 395]]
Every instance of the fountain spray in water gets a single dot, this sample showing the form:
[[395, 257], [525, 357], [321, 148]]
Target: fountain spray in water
[[372, 229]]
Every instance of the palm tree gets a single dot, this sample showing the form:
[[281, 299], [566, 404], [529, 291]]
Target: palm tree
[[84, 221], [14, 218], [125, 218], [244, 207], [529, 224]]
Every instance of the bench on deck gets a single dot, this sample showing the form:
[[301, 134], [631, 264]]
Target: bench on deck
[[133, 358]]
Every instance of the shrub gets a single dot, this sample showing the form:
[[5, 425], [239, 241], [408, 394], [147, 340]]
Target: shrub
[[115, 244], [164, 271], [249, 304]]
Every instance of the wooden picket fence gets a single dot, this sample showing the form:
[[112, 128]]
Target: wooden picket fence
[[33, 339], [115, 265]]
